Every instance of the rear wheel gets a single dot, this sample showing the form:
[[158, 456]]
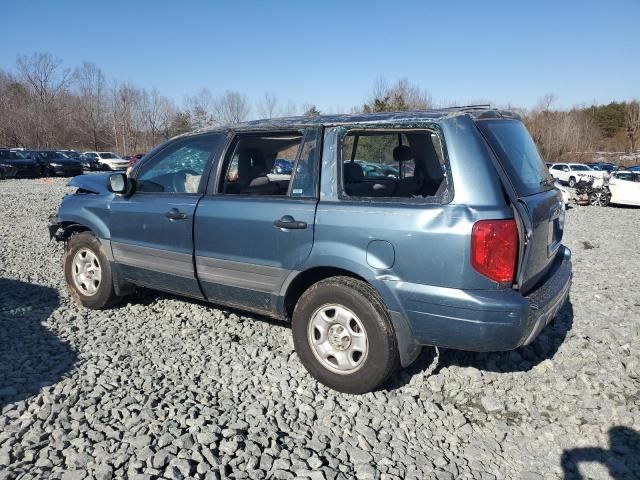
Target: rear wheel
[[343, 335], [88, 272], [572, 182]]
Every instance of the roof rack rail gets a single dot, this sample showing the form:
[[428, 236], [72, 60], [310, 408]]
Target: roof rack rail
[[480, 106]]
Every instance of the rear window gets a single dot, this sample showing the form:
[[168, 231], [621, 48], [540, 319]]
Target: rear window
[[518, 155]]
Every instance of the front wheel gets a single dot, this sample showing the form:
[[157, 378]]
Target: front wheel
[[572, 182], [88, 272], [343, 335], [599, 199]]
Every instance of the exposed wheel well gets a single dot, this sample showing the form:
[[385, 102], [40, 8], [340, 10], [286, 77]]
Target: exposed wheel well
[[69, 228], [307, 278]]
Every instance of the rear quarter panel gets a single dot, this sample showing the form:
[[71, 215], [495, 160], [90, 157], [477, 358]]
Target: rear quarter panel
[[430, 241]]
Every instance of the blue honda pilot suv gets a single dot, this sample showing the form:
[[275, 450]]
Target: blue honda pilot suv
[[459, 247]]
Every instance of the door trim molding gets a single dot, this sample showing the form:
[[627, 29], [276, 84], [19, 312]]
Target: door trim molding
[[154, 259], [250, 276]]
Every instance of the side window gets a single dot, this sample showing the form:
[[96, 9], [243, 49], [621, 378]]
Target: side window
[[261, 164], [179, 167], [305, 177], [625, 176], [392, 164]]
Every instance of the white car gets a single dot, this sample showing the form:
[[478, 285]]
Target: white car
[[566, 194], [625, 187], [108, 160], [572, 173]]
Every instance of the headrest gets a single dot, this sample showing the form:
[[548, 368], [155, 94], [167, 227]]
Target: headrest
[[353, 172], [402, 153]]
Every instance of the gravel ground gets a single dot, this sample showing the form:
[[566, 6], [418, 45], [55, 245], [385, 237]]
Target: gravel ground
[[167, 387]]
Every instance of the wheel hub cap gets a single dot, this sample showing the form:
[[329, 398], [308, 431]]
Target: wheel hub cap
[[86, 272], [338, 339]]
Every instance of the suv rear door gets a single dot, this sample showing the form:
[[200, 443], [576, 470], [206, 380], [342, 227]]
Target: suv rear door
[[531, 190], [243, 248]]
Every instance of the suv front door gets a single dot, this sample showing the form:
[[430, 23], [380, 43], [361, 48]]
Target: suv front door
[[152, 230], [244, 248]]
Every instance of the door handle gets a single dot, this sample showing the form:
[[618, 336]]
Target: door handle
[[175, 214], [289, 223]]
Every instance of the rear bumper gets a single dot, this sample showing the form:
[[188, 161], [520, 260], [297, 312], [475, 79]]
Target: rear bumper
[[484, 320]]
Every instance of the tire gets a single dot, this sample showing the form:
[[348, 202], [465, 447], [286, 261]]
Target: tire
[[363, 365], [599, 199], [82, 290], [572, 182]]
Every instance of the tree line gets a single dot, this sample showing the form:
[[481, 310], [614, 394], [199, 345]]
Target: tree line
[[45, 105]]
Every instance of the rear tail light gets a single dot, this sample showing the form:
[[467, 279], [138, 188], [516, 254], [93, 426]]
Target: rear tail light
[[494, 249]]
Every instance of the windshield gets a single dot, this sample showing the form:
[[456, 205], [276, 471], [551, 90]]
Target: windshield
[[109, 155], [518, 155], [580, 168]]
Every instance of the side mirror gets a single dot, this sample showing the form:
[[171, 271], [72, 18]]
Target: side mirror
[[118, 183]]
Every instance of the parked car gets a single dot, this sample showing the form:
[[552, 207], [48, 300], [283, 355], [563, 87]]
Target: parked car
[[376, 170], [54, 163], [605, 167], [88, 163], [133, 159], [566, 194], [107, 160], [625, 187], [282, 167], [7, 170], [461, 254], [572, 173], [25, 167], [635, 168], [73, 154]]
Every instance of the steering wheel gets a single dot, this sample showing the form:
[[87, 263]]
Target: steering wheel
[[179, 179]]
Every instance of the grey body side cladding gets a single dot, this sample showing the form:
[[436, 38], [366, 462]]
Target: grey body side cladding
[[120, 286], [408, 349]]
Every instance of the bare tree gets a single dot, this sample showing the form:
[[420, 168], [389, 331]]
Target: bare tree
[[91, 85], [290, 109], [157, 112], [201, 108], [231, 108], [267, 106], [560, 133], [44, 76], [546, 102], [632, 122]]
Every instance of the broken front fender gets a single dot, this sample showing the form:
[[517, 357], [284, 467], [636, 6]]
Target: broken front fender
[[54, 228], [94, 183]]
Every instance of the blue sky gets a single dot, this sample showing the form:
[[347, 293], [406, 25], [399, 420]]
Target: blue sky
[[330, 52]]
